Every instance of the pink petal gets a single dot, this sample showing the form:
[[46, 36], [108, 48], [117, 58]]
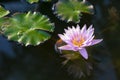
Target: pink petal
[[83, 30], [65, 30], [66, 47], [89, 33], [78, 30], [62, 37], [70, 32], [90, 28], [78, 26], [96, 41], [88, 40], [84, 53]]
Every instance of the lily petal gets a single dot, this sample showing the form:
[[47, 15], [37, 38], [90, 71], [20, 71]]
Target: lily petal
[[83, 30], [84, 53], [95, 41], [66, 47], [64, 38]]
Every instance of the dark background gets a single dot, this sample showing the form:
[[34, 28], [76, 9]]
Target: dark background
[[43, 63]]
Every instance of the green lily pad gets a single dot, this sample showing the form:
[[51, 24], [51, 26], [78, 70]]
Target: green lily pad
[[29, 29], [32, 1], [71, 10], [3, 12], [3, 22]]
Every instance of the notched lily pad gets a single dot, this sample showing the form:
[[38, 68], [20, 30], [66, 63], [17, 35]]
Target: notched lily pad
[[29, 29], [71, 10], [3, 12]]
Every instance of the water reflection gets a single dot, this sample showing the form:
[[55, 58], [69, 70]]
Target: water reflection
[[6, 48]]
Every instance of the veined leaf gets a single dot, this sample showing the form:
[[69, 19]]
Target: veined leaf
[[3, 22], [29, 29], [3, 12], [71, 10], [32, 1]]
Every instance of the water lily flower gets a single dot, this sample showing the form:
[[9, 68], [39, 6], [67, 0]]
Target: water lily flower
[[77, 39]]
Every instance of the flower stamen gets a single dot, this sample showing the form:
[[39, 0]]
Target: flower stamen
[[78, 43]]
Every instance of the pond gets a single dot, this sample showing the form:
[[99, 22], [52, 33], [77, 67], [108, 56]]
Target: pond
[[43, 62]]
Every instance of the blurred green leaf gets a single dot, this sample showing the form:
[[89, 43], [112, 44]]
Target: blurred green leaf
[[71, 10], [3, 12], [32, 1], [46, 0], [29, 29], [3, 22]]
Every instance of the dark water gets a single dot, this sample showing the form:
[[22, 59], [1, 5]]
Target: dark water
[[43, 63]]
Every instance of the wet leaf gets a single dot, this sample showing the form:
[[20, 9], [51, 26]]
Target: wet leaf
[[3, 22], [3, 12], [71, 10], [29, 29], [32, 1]]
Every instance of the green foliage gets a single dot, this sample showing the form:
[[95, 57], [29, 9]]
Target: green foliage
[[3, 22], [29, 29], [32, 1], [46, 0], [71, 10], [3, 12]]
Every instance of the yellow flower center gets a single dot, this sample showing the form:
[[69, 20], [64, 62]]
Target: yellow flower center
[[78, 42]]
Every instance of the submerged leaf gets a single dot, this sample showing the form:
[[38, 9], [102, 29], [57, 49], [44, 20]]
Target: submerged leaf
[[32, 1], [3, 12], [70, 10], [29, 29]]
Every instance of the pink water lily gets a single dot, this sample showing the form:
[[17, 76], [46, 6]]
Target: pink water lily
[[77, 39]]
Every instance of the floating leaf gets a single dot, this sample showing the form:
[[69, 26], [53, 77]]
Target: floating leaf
[[3, 12], [3, 19], [29, 29], [3, 22], [32, 1], [71, 10]]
